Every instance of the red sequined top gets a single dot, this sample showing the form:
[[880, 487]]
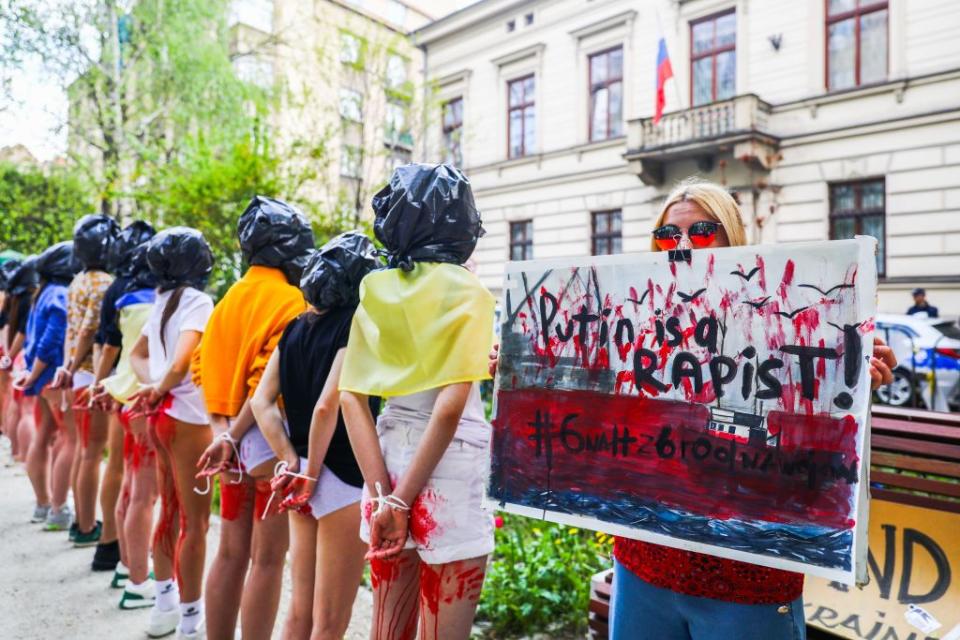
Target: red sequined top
[[697, 574]]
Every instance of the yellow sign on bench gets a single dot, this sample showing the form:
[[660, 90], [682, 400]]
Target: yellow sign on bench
[[914, 560]]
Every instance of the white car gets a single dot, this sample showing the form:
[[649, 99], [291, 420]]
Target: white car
[[928, 361]]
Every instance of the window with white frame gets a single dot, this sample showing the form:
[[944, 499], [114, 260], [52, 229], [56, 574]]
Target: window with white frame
[[856, 43], [349, 161], [453, 131], [349, 48], [396, 74], [396, 124], [606, 94], [521, 116], [351, 105]]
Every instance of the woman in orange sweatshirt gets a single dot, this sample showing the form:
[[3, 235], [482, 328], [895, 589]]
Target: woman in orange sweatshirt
[[244, 329]]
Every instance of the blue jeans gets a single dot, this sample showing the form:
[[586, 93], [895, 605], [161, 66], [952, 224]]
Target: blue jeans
[[641, 611]]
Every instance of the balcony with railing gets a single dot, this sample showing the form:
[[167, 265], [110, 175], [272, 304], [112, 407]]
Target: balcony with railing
[[738, 126]]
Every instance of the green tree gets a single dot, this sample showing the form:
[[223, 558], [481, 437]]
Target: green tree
[[39, 208], [141, 77]]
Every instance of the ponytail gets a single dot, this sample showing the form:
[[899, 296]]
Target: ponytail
[[173, 302]]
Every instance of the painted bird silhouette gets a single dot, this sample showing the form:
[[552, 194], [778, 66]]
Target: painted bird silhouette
[[746, 276], [828, 291], [756, 304], [642, 298], [839, 328], [791, 314], [690, 297]]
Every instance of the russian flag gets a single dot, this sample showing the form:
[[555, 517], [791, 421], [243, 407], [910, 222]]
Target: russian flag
[[664, 73]]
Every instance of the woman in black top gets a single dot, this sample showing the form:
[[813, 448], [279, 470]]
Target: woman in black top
[[318, 474]]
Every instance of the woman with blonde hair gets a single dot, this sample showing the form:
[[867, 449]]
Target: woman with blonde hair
[[672, 594]]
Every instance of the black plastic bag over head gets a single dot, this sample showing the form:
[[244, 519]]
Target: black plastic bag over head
[[137, 269], [427, 214], [57, 263], [132, 236], [275, 234], [332, 276], [6, 270], [179, 256], [21, 278], [92, 236]]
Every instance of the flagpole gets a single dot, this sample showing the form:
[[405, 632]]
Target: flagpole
[[663, 34]]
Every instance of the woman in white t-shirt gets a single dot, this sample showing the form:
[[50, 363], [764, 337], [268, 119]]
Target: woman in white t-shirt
[[181, 261]]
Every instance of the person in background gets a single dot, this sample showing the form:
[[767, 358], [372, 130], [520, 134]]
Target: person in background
[[181, 261], [92, 236], [419, 338], [43, 354], [19, 281], [275, 239], [921, 306], [318, 468]]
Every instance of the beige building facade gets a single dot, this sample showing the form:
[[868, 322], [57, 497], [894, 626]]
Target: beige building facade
[[346, 81], [825, 119]]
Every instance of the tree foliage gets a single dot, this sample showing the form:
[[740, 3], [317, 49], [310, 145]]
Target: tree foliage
[[39, 208]]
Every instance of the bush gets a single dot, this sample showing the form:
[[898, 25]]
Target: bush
[[539, 580]]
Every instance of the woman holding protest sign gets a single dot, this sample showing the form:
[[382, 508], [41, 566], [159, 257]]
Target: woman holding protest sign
[[665, 593], [671, 594]]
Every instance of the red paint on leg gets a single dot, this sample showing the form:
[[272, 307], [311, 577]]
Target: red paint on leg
[[231, 498]]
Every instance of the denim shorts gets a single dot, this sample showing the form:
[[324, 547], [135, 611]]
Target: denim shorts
[[642, 611]]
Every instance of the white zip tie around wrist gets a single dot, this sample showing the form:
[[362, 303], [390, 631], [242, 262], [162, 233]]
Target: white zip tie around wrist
[[387, 501], [239, 470]]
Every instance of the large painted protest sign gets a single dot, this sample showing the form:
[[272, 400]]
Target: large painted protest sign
[[718, 405]]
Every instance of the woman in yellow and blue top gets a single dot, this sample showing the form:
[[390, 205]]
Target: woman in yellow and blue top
[[420, 338]]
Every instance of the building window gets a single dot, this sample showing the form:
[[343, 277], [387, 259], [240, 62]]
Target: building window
[[856, 43], [713, 58], [521, 116], [453, 132], [349, 48], [606, 235], [349, 161], [351, 105], [528, 19], [859, 208], [396, 130], [521, 240], [396, 75], [511, 25], [606, 94]]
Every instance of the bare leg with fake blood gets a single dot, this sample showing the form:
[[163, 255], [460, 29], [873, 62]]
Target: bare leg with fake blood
[[135, 508], [268, 551], [229, 568], [112, 479]]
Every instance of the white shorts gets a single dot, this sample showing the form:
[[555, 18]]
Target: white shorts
[[448, 521], [331, 494], [254, 449], [81, 379]]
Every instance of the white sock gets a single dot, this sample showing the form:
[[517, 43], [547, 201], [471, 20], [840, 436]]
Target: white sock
[[191, 613], [122, 569], [167, 595]]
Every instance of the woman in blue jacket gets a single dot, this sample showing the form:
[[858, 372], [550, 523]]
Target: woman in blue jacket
[[43, 352]]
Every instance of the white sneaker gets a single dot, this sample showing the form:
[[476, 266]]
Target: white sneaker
[[200, 633], [138, 596], [163, 623]]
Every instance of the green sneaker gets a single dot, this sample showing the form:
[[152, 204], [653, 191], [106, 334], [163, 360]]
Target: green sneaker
[[89, 538], [138, 596], [120, 576], [74, 530]]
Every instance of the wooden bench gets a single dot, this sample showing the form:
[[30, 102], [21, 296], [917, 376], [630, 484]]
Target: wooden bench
[[915, 460]]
